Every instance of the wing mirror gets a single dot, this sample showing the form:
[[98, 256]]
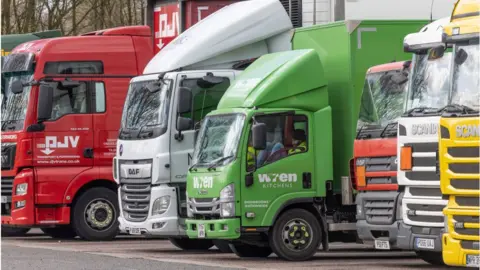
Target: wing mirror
[[17, 87], [460, 57], [259, 136], [45, 102]]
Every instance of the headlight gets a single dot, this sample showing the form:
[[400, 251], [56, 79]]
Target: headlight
[[160, 205], [445, 224], [115, 168], [21, 189], [399, 214], [227, 209], [189, 210], [227, 194], [359, 210]]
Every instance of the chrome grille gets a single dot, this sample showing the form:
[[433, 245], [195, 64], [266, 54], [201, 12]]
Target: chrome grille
[[135, 201], [380, 211], [204, 206], [428, 213], [7, 189], [423, 155], [135, 194]]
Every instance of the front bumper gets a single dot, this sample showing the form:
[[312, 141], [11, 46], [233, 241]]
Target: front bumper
[[453, 252], [368, 233], [407, 235], [166, 224], [215, 229]]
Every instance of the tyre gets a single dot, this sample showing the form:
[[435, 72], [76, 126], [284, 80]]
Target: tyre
[[250, 251], [434, 258], [14, 232], [63, 232], [95, 215], [296, 235], [191, 244], [223, 246]]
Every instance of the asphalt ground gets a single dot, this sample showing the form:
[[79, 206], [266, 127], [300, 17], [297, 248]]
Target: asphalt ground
[[37, 251]]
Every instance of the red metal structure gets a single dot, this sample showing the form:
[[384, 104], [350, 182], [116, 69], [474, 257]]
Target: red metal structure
[[62, 101]]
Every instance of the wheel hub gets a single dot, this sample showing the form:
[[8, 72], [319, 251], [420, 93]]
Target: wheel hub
[[297, 234], [99, 215]]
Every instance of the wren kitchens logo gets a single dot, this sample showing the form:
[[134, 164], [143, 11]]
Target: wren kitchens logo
[[203, 182], [277, 180]]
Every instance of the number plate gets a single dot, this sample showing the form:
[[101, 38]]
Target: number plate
[[424, 243], [473, 260], [382, 244], [201, 230], [135, 231], [4, 199]]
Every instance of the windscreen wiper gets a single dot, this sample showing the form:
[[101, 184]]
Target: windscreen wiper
[[457, 108], [390, 130], [419, 110], [217, 161]]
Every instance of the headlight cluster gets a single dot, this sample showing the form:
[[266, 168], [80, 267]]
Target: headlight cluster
[[445, 224], [161, 205], [189, 210], [21, 189], [227, 201]]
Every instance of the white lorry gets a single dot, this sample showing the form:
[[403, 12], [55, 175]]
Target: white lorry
[[422, 204], [164, 108]]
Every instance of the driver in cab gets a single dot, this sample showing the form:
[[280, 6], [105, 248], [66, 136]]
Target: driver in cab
[[299, 142]]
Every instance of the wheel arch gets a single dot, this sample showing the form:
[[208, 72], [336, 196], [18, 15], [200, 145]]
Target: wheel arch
[[93, 184]]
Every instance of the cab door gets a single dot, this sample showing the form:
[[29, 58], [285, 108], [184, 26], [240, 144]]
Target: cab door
[[204, 100], [64, 148]]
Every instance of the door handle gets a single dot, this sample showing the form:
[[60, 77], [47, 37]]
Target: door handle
[[88, 153]]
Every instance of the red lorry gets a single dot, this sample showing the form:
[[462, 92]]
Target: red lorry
[[62, 101], [374, 166]]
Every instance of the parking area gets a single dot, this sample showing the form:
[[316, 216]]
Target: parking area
[[41, 252]]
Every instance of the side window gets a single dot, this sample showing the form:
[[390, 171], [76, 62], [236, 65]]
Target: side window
[[99, 97], [69, 101], [286, 136], [205, 99]]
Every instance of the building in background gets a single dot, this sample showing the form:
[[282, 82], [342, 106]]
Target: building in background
[[168, 18]]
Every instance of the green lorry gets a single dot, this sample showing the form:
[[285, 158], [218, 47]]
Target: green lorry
[[271, 164], [11, 41]]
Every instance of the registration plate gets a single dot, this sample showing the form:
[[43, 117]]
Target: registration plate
[[424, 243], [382, 244], [201, 230], [473, 260], [135, 231], [4, 199]]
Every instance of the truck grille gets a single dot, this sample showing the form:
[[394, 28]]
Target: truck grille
[[204, 206], [7, 189], [427, 213], [380, 211], [135, 201], [459, 168], [381, 164], [8, 155], [466, 221], [426, 158]]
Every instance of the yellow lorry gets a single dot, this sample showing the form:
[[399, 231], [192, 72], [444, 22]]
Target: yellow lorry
[[459, 142]]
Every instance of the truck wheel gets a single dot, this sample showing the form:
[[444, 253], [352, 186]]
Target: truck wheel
[[64, 232], [434, 258], [191, 244], [12, 232], [250, 251], [223, 246], [95, 215], [296, 235]]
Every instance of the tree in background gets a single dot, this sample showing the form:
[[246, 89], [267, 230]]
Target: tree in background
[[72, 17]]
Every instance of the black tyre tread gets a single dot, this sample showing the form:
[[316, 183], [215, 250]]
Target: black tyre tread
[[276, 242], [433, 258], [14, 232], [64, 232], [80, 225], [223, 246], [191, 244], [250, 251]]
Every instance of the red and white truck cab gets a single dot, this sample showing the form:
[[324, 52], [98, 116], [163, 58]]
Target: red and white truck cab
[[62, 101]]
